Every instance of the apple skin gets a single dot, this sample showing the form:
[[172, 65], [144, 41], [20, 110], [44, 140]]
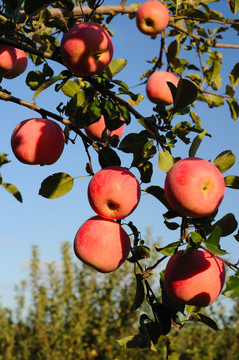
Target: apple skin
[[94, 131], [157, 89], [114, 192], [102, 244], [196, 279], [37, 141], [152, 17], [20, 66], [8, 58], [86, 49], [194, 187]]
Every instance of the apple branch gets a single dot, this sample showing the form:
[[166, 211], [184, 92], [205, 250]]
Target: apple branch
[[234, 267]]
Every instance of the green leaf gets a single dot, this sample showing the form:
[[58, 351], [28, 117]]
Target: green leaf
[[234, 75], [205, 320], [171, 225], [146, 170], [134, 101], [139, 253], [212, 100], [115, 66], [165, 161], [196, 143], [196, 237], [169, 249], [232, 287], [13, 190], [70, 88], [233, 6], [132, 142], [227, 223], [159, 193], [225, 160], [56, 185], [232, 181], [108, 157], [196, 119], [46, 84], [234, 108], [171, 351], [212, 242], [3, 159], [140, 293], [35, 79]]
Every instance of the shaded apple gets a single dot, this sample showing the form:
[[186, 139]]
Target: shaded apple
[[114, 192], [194, 187], [8, 58], [152, 17], [102, 244], [95, 130], [196, 279], [86, 49], [37, 141], [157, 89], [20, 66]]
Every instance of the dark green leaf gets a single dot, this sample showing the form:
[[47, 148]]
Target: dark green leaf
[[232, 181], [159, 193], [56, 185], [163, 317], [139, 252], [227, 224], [108, 157], [35, 79], [140, 293], [146, 170], [171, 225], [186, 93], [13, 190], [205, 320], [132, 143], [232, 287], [225, 160]]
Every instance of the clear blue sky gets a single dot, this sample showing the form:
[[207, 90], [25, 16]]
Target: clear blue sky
[[47, 223]]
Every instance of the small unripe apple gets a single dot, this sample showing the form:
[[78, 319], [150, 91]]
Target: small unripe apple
[[152, 17], [86, 49], [102, 244], [20, 66], [194, 187], [37, 141], [114, 192], [196, 279], [94, 131], [157, 89], [8, 58]]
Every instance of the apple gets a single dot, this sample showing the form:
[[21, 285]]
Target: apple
[[86, 49], [102, 244], [194, 187], [94, 131], [157, 89], [38, 141], [196, 279], [152, 17], [8, 58], [20, 66], [114, 192]]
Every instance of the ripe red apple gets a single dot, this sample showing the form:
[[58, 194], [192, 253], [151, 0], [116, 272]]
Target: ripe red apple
[[86, 49], [152, 17], [8, 58], [157, 89], [94, 131], [196, 279], [20, 66], [194, 187], [102, 244], [38, 141], [114, 192]]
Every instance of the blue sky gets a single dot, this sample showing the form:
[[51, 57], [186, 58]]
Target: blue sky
[[47, 223]]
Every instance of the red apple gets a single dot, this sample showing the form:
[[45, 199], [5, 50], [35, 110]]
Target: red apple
[[38, 141], [114, 192], [152, 17], [94, 131], [20, 66], [8, 58], [157, 89], [102, 244], [86, 49], [194, 187], [196, 279]]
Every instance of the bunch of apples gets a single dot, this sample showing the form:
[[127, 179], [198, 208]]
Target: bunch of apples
[[193, 187]]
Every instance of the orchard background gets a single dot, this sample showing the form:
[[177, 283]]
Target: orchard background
[[49, 222]]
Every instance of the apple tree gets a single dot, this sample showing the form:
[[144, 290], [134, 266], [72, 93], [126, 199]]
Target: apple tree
[[77, 34]]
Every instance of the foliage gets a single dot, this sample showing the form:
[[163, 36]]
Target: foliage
[[62, 320]]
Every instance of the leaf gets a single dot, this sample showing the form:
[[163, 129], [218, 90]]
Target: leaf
[[196, 119], [232, 181], [140, 293], [70, 88], [234, 75], [56, 185], [205, 320], [234, 108], [196, 237], [136, 100], [108, 157], [46, 84], [163, 317], [13, 190], [225, 160], [35, 79], [169, 249], [3, 159], [232, 287], [33, 7], [146, 170], [212, 100], [171, 225], [212, 242], [227, 224], [132, 143], [186, 93], [196, 143], [159, 193], [233, 6], [139, 252], [115, 66], [165, 161], [171, 351]]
